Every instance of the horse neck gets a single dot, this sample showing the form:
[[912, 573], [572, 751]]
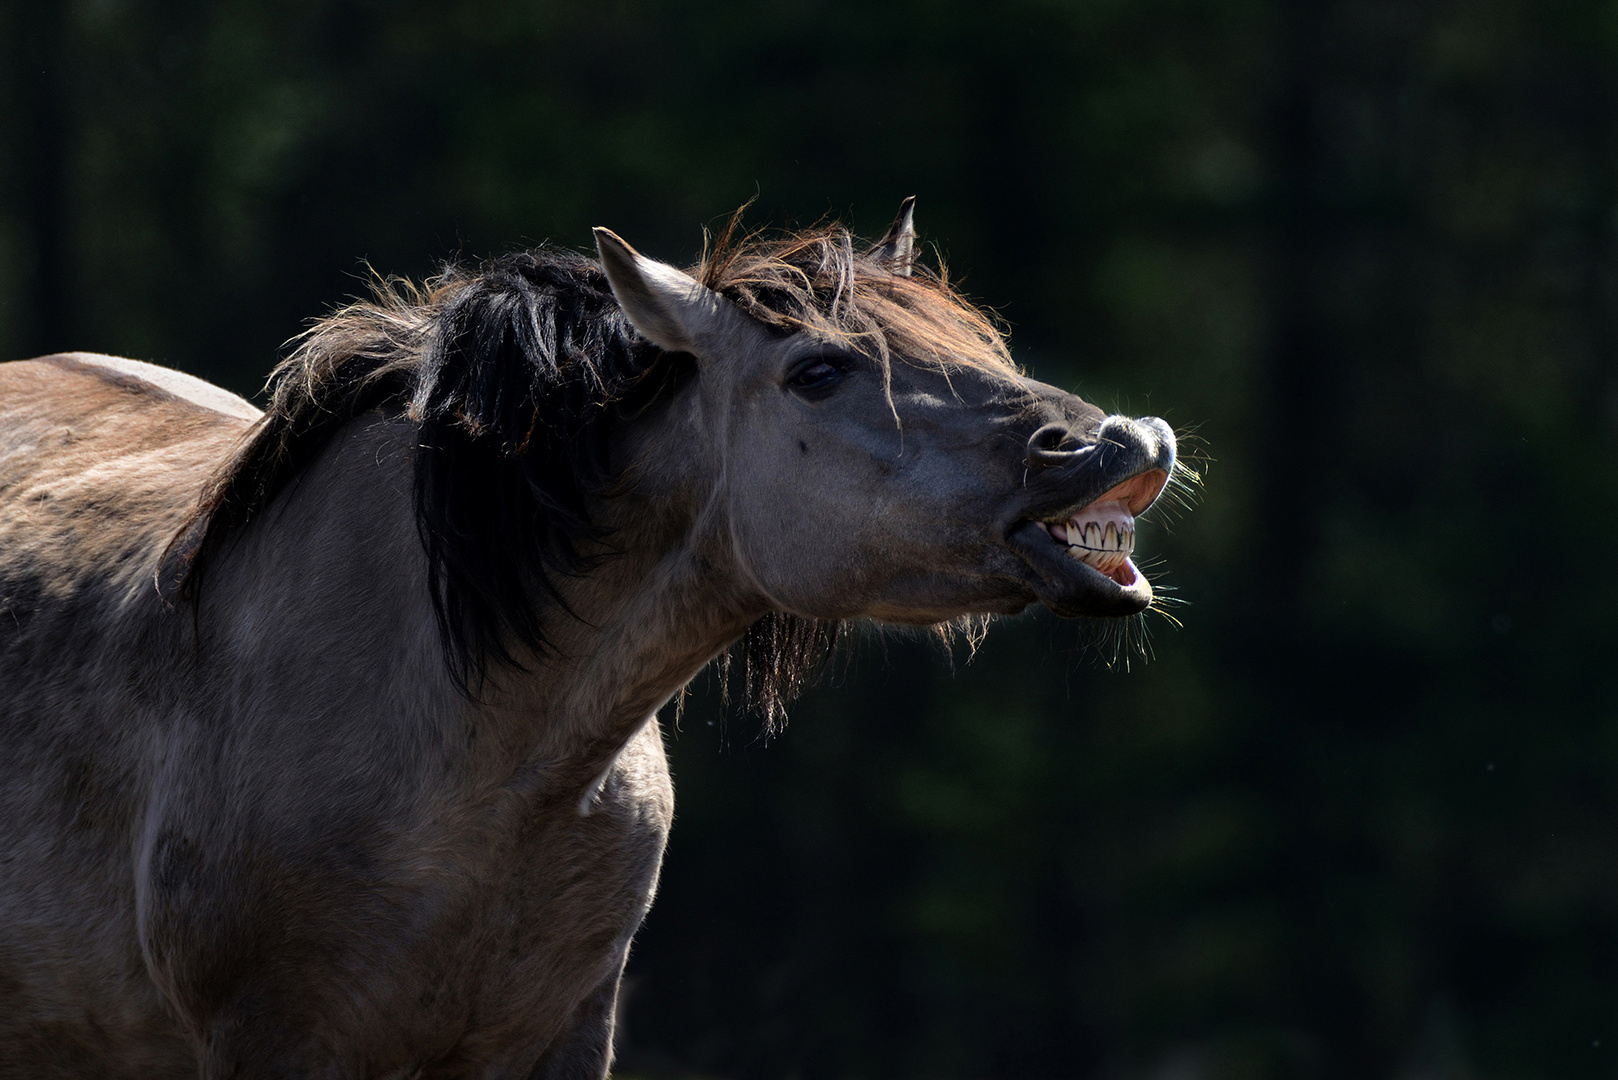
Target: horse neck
[[630, 634], [330, 589], [636, 630]]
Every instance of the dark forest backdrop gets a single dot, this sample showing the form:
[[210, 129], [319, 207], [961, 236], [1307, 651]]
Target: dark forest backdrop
[[1359, 817]]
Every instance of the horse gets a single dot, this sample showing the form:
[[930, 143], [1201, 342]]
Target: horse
[[328, 733]]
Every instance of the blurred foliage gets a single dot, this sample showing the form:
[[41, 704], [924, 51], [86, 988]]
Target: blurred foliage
[[1357, 818]]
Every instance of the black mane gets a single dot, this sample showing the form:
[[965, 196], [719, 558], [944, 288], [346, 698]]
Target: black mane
[[515, 394], [516, 372]]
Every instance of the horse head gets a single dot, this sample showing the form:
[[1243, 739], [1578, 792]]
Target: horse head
[[860, 440]]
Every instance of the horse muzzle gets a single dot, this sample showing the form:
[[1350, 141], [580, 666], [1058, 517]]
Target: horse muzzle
[[1075, 525]]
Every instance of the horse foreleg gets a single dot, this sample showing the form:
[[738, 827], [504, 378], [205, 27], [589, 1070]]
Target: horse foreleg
[[238, 1051], [584, 1051]]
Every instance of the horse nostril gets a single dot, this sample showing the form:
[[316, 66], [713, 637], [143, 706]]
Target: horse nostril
[[1053, 444]]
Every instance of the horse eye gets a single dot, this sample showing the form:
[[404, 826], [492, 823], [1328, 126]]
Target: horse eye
[[816, 377]]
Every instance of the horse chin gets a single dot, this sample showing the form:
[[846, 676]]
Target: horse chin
[[1072, 587], [947, 600]]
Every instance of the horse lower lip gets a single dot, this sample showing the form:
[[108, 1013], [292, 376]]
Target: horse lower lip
[[1070, 591], [1068, 585], [1114, 564]]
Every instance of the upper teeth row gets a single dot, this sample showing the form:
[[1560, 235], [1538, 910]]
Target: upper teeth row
[[1092, 535]]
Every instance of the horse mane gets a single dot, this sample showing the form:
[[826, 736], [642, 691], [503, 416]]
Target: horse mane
[[516, 369]]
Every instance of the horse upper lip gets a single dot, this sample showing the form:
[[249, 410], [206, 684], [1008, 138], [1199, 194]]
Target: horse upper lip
[[1066, 495]]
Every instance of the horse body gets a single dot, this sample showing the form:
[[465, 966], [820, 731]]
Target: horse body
[[328, 738], [481, 916]]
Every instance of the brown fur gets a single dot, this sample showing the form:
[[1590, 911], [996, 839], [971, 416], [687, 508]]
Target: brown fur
[[814, 280]]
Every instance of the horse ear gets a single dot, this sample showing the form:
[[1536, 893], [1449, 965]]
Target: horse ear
[[669, 308], [898, 247]]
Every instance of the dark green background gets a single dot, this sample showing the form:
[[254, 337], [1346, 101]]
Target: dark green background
[[1359, 817]]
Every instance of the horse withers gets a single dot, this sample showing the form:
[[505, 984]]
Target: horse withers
[[328, 738]]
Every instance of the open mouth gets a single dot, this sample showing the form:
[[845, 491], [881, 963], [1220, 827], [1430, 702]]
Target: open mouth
[[1100, 534]]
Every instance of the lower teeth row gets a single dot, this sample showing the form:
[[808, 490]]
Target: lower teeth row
[[1105, 561]]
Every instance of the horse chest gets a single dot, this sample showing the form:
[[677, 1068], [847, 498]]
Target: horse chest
[[470, 950], [578, 883], [553, 927]]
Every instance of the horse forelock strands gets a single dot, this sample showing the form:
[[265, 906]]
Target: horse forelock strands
[[818, 279], [514, 370]]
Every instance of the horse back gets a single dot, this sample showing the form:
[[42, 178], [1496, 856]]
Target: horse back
[[97, 447], [101, 459]]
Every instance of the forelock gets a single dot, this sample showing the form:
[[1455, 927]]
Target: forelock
[[821, 279]]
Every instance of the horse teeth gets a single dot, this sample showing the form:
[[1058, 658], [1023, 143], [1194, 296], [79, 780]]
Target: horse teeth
[[1105, 541]]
